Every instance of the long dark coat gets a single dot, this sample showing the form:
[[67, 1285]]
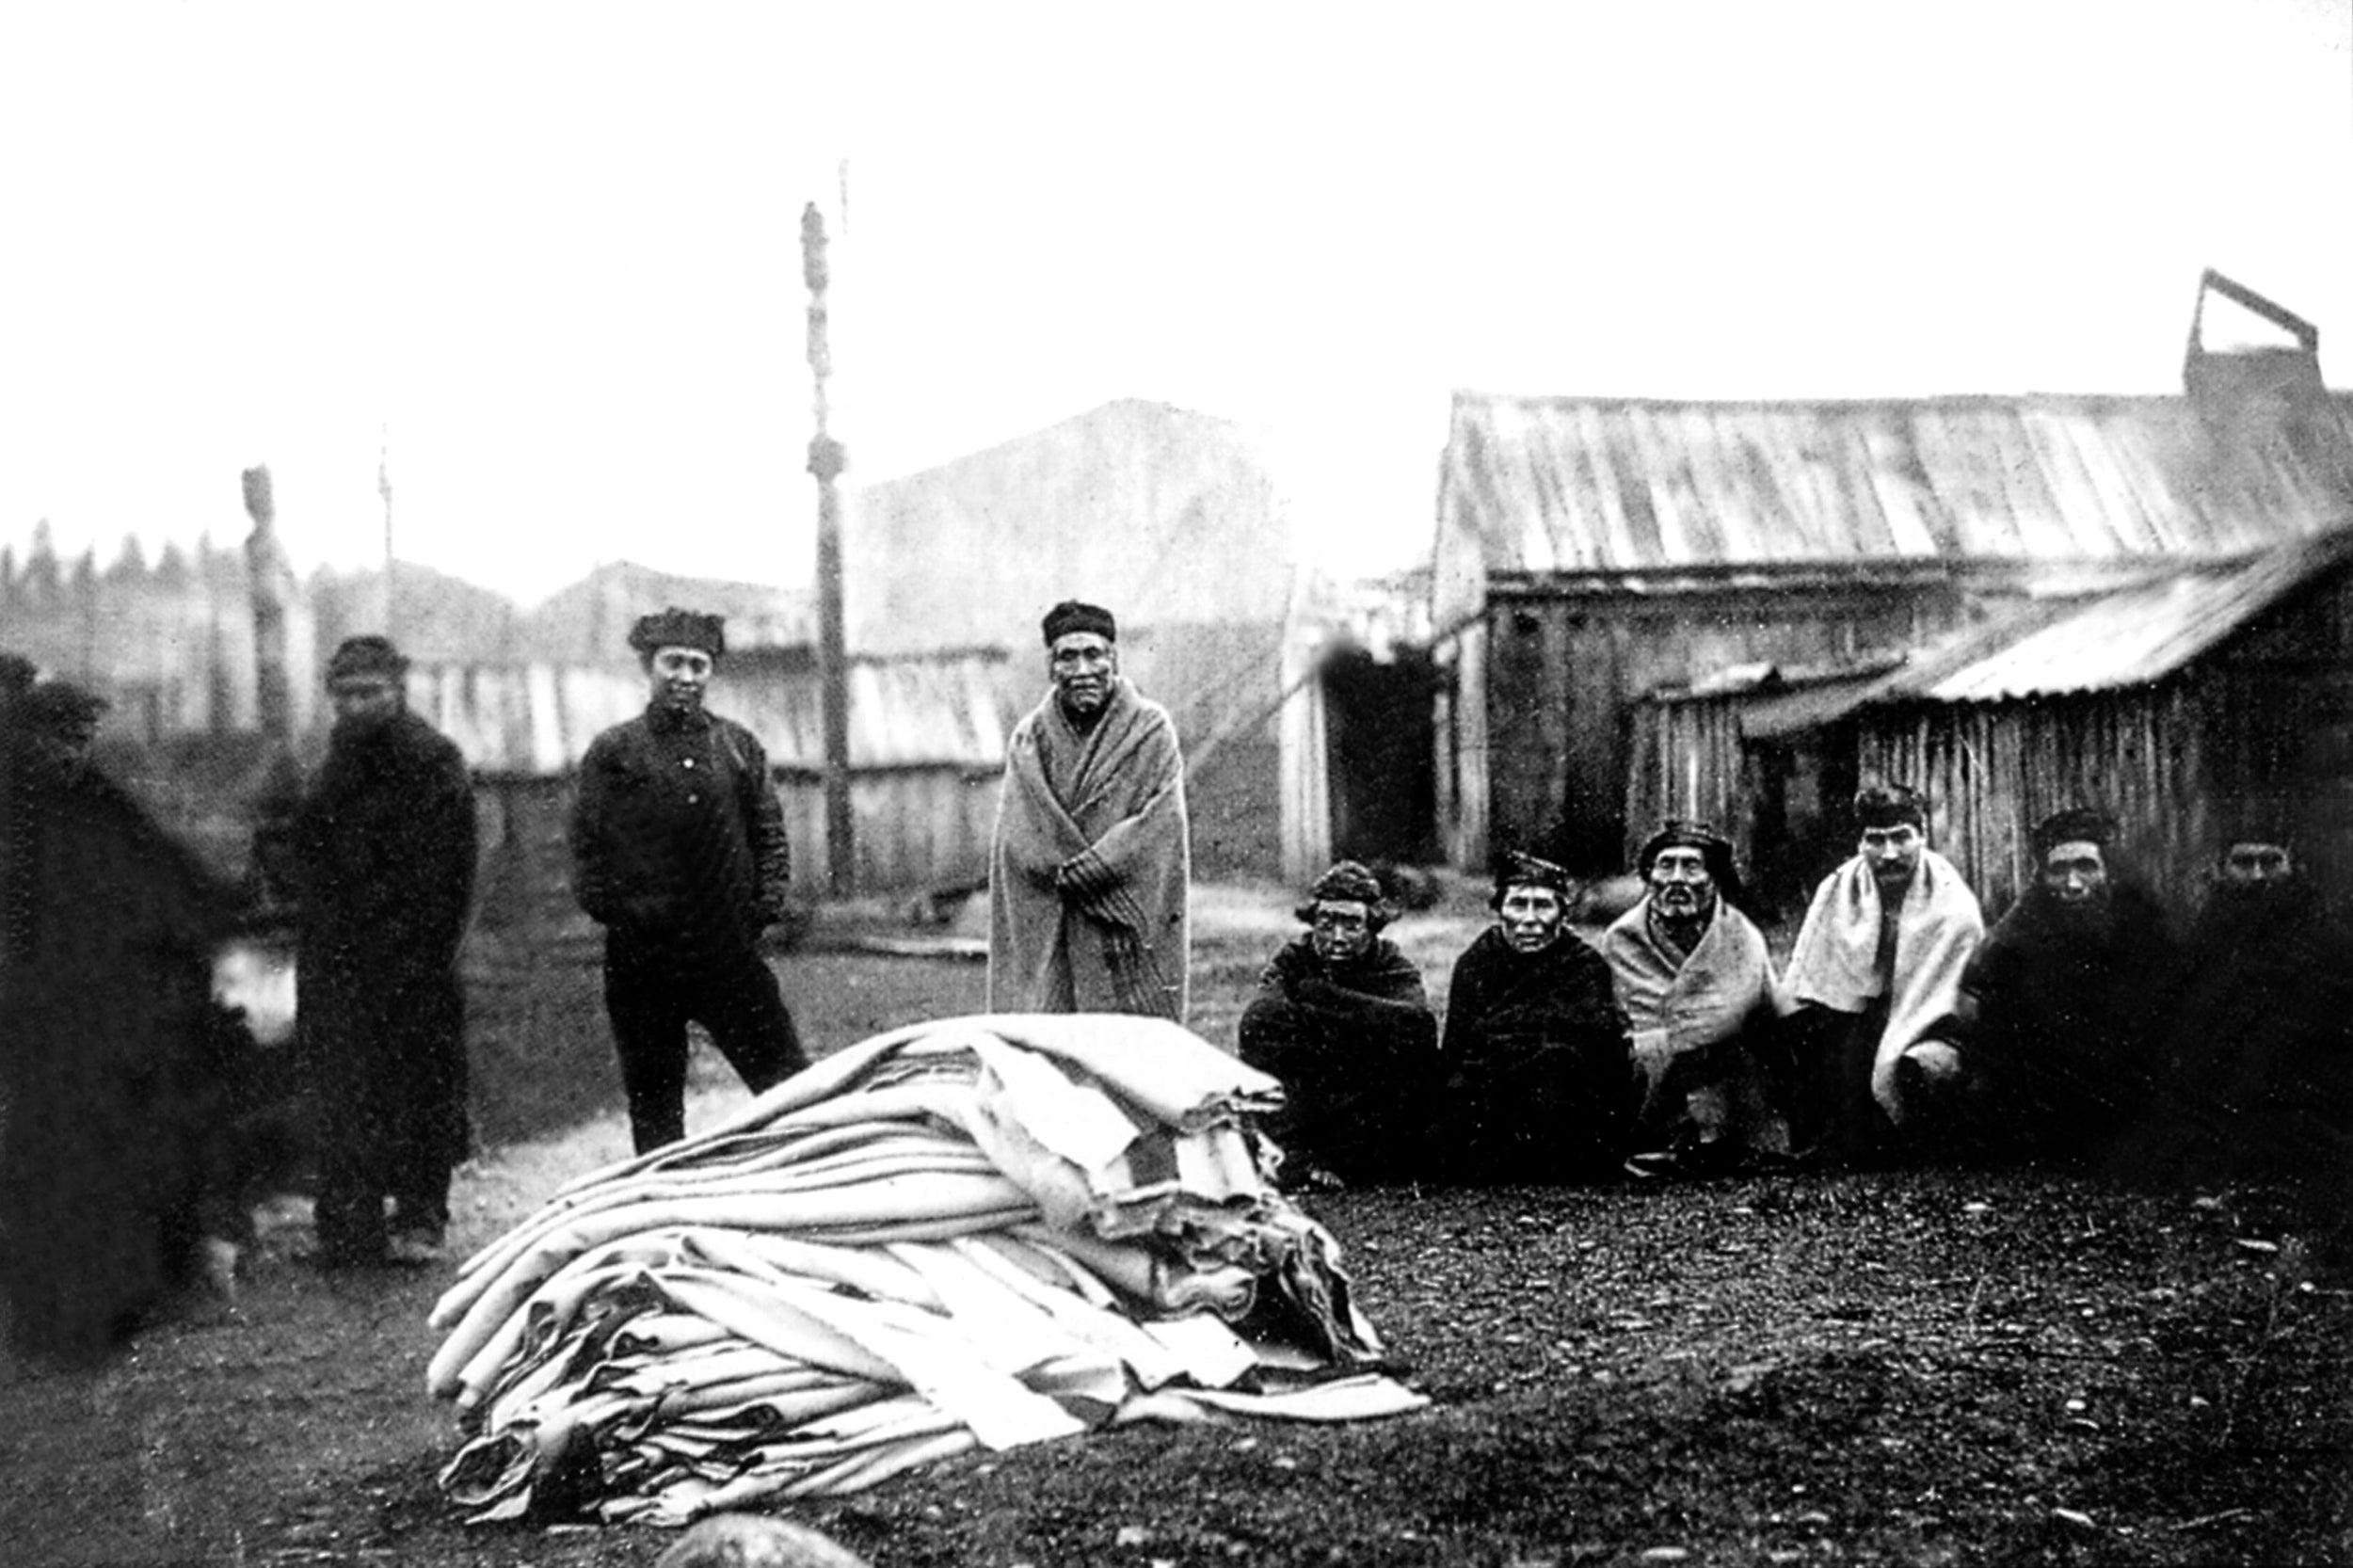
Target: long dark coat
[[2257, 1047], [2058, 1045], [106, 926], [383, 848], [1356, 1048], [1540, 1080]]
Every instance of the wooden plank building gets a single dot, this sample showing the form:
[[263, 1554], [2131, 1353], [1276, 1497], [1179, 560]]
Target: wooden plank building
[[1591, 550]]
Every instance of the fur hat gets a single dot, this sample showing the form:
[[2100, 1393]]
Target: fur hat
[[1520, 869], [1348, 882], [1885, 806], [677, 627], [2075, 824], [1073, 614], [369, 654]]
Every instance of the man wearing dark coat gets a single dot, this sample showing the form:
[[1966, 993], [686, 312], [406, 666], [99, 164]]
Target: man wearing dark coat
[[2257, 1047], [679, 851], [383, 848], [2060, 1005], [107, 1113], [1341, 1018], [1540, 1084]]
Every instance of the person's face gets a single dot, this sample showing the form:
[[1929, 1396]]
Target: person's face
[[1082, 664], [1680, 886], [2256, 865], [363, 702], [1530, 917], [678, 677], [2076, 873], [1892, 853], [1340, 929]]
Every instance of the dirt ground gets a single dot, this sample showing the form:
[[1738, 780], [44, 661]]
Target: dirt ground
[[1917, 1366]]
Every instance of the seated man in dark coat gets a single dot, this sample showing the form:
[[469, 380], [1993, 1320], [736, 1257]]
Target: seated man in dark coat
[[1540, 1081], [2061, 1001], [1341, 1018], [2257, 1047]]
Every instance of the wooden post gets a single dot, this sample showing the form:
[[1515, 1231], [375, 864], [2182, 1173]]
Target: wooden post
[[267, 573], [827, 457]]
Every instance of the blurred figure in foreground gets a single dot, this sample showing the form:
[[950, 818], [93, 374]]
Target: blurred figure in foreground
[[383, 847], [110, 1113], [1341, 1018]]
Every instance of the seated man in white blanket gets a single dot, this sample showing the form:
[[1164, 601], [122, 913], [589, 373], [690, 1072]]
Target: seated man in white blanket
[[1874, 980], [1697, 984]]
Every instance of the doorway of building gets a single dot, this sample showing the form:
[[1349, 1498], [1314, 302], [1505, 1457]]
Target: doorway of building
[[1380, 718]]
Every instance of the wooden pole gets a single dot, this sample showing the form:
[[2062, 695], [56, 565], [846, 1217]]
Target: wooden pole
[[827, 457], [267, 573]]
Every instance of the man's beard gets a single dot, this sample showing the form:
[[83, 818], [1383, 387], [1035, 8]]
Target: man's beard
[[2086, 915]]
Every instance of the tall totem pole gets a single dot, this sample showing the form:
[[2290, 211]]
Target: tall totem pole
[[827, 457]]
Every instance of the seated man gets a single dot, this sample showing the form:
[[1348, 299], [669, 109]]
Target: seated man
[[2257, 1047], [1341, 1018], [2059, 1003], [1538, 1083], [1697, 984], [1874, 977]]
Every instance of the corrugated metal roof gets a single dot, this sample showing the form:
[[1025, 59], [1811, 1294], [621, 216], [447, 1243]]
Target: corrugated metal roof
[[1558, 484], [2126, 637]]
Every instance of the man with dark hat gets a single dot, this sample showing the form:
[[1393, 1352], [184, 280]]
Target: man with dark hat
[[382, 846], [1874, 978], [679, 852], [2058, 1005], [1697, 984], [1540, 1085], [2257, 1046], [1092, 860], [1340, 1017]]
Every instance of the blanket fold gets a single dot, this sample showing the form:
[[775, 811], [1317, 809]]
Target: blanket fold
[[988, 1231]]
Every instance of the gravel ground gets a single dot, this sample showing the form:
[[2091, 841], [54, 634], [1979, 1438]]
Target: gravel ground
[[1912, 1366]]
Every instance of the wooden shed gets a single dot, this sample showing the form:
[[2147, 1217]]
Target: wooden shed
[[2167, 701], [1592, 550]]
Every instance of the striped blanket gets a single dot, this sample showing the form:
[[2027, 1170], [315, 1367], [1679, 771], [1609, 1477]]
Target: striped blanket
[[983, 1232]]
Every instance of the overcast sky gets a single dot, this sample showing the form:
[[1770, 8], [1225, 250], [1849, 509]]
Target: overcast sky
[[552, 250]]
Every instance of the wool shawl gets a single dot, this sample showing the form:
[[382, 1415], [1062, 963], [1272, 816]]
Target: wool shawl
[[1835, 962], [1090, 866], [1698, 1000]]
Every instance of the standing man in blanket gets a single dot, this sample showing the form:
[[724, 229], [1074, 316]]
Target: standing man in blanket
[[678, 852], [1874, 980], [383, 849], [1093, 857], [1697, 986]]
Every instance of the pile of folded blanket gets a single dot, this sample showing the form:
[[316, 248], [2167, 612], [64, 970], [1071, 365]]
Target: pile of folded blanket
[[982, 1232]]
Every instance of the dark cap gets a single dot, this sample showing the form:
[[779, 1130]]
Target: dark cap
[[2252, 819], [1885, 806], [2083, 825], [677, 627], [370, 654], [1346, 882], [1520, 869], [1073, 614]]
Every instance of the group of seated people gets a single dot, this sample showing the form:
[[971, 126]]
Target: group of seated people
[[2078, 1030]]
